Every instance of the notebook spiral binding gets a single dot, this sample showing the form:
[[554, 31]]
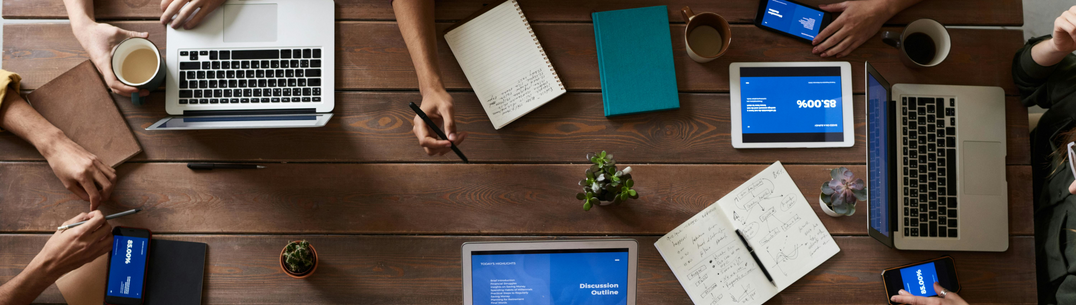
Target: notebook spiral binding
[[536, 43]]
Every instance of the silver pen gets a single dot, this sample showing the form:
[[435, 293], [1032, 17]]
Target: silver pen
[[117, 215]]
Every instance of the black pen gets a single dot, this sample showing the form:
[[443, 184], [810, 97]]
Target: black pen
[[199, 166], [436, 130], [755, 256]]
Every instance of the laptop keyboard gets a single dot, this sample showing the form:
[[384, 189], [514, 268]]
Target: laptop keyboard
[[250, 76], [928, 127]]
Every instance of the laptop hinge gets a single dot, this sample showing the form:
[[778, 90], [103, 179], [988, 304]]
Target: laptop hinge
[[250, 112]]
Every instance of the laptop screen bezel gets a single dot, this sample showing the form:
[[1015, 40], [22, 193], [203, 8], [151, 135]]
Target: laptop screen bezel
[[890, 121]]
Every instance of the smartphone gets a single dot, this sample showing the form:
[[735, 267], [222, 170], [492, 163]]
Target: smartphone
[[792, 19], [127, 266], [918, 278]]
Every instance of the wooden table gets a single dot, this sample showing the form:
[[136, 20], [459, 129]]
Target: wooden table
[[388, 221]]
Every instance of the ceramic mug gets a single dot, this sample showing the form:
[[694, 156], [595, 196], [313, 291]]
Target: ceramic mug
[[707, 35], [923, 43], [136, 62]]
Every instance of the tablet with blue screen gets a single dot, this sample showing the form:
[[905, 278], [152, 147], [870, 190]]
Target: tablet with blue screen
[[791, 104], [599, 272]]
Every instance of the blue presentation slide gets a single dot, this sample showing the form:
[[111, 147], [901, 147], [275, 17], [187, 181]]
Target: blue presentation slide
[[543, 278], [793, 18], [791, 104], [128, 266], [878, 151], [919, 279]]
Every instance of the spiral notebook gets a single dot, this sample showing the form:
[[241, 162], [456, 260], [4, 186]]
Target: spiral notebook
[[503, 62]]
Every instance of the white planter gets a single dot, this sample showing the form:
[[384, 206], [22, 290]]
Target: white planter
[[826, 209]]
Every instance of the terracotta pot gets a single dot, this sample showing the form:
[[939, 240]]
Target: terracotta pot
[[304, 274]]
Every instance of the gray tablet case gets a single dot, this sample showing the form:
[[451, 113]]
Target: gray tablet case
[[176, 271]]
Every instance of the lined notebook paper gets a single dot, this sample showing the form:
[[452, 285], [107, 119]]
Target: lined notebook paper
[[504, 63]]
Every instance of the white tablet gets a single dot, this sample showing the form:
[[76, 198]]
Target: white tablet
[[590, 271], [791, 104]]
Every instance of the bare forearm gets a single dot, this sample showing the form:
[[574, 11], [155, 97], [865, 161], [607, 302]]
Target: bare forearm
[[415, 18], [17, 117], [25, 287], [80, 12], [1046, 54]]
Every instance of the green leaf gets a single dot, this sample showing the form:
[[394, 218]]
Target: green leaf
[[581, 196], [851, 210], [630, 183], [840, 209], [827, 198], [586, 206], [826, 189], [861, 194], [633, 193], [835, 174], [602, 154]]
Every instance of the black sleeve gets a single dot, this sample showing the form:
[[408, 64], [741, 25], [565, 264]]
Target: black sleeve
[[1030, 77]]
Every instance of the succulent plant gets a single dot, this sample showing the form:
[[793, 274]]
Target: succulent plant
[[842, 192], [297, 257], [604, 182]]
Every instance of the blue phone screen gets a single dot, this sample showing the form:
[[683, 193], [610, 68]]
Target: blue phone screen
[[128, 266], [793, 18], [919, 279]]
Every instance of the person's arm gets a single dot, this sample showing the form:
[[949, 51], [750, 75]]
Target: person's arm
[[98, 39], [80, 171], [181, 13], [1051, 51], [415, 18], [65, 251], [858, 22], [1041, 61]]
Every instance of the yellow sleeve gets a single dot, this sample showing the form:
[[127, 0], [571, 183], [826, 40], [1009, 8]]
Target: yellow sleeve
[[9, 81]]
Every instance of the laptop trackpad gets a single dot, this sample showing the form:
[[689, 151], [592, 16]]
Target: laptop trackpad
[[250, 22], [981, 172]]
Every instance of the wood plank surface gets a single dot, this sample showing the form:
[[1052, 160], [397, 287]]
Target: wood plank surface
[[373, 56], [949, 12], [426, 270], [376, 127], [514, 199]]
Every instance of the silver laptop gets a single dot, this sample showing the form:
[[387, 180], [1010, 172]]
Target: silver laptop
[[601, 271], [936, 166], [253, 64]]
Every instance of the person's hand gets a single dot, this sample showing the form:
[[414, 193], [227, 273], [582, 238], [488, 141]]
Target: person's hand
[[80, 171], [72, 248], [98, 39], [859, 22], [951, 298], [181, 13], [1065, 31], [437, 106]]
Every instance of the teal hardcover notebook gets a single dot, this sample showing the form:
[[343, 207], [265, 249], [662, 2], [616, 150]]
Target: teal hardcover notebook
[[635, 60]]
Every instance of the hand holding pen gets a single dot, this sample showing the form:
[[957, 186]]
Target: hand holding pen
[[438, 109]]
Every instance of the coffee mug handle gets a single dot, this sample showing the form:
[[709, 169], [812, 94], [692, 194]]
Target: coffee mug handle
[[688, 14], [135, 99], [891, 38]]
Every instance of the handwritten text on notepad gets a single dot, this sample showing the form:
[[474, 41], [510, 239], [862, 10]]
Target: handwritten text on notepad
[[528, 88]]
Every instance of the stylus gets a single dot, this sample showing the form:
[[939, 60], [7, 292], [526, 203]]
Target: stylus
[[113, 216], [755, 256], [436, 130]]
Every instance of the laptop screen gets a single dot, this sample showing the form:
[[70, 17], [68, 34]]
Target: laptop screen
[[878, 155], [576, 276]]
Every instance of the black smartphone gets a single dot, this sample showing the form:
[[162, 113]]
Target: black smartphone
[[918, 278], [127, 266], [792, 19]]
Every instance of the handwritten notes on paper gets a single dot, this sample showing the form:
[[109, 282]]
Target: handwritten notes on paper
[[504, 63], [713, 265]]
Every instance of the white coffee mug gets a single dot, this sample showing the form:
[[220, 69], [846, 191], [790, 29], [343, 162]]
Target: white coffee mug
[[923, 43], [150, 70]]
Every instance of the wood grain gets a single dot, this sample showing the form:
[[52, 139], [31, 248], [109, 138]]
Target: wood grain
[[426, 270], [413, 198], [376, 127], [949, 12], [373, 56]]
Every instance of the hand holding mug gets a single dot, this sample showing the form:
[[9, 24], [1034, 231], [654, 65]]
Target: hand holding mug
[[98, 39], [136, 62]]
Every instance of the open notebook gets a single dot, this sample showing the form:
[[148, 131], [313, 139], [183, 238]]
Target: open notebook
[[504, 62], [714, 266]]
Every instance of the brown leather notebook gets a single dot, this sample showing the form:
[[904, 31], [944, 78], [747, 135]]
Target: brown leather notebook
[[78, 103]]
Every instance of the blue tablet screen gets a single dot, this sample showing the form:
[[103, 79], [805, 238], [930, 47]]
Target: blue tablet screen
[[791, 104], [584, 276], [793, 18]]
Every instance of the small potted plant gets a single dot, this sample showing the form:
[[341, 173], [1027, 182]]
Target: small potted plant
[[604, 184], [299, 259], [839, 195]]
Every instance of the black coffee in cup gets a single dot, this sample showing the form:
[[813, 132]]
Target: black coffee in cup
[[920, 48]]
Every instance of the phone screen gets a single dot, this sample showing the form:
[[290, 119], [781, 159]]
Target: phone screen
[[919, 279], [792, 18], [128, 266]]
